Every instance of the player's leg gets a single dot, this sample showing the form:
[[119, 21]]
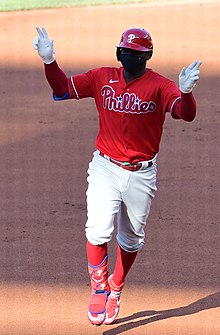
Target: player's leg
[[103, 202], [135, 209], [98, 271], [98, 266], [131, 223], [124, 261]]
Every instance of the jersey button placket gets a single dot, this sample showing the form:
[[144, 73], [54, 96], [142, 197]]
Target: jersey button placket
[[125, 131]]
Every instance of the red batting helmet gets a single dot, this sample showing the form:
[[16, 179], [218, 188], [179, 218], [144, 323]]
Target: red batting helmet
[[136, 39]]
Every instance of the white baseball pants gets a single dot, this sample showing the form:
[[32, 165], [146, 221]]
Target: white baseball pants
[[116, 192]]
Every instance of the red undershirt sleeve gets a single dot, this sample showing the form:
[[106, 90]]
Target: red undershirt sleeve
[[185, 108], [57, 79]]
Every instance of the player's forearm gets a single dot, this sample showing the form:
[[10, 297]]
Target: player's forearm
[[185, 109], [56, 78]]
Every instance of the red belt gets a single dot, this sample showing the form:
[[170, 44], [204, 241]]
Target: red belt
[[128, 166]]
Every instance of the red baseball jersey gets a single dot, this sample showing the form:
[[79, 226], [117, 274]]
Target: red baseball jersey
[[131, 115]]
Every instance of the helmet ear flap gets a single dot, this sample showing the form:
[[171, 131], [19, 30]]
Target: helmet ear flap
[[149, 55]]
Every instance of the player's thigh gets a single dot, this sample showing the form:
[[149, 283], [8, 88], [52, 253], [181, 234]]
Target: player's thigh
[[103, 202], [139, 195], [133, 215]]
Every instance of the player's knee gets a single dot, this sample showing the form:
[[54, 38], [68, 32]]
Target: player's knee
[[98, 237], [131, 244]]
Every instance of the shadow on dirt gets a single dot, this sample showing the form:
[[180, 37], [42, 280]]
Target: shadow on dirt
[[149, 316]]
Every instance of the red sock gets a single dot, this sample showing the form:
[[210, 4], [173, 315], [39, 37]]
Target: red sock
[[123, 264], [96, 253]]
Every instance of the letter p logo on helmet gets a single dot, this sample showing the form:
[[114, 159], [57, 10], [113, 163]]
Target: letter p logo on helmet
[[131, 37]]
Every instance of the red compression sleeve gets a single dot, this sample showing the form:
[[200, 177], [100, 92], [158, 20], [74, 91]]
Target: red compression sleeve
[[56, 78], [124, 262], [185, 108], [96, 253]]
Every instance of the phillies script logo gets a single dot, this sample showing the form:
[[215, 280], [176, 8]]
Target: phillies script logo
[[128, 102]]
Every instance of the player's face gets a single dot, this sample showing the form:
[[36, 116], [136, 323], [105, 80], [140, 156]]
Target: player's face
[[125, 51], [133, 61]]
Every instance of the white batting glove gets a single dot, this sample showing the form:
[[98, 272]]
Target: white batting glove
[[189, 76], [44, 46]]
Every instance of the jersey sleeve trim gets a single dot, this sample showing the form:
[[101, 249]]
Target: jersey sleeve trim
[[173, 104], [74, 88]]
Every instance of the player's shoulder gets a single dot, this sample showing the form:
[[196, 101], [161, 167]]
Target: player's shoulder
[[156, 75], [159, 79], [105, 70], [103, 74]]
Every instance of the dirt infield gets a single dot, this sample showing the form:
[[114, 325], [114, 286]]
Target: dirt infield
[[45, 147]]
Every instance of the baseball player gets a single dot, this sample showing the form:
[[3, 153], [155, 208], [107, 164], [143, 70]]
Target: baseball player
[[132, 101]]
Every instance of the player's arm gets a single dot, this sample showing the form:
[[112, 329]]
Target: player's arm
[[55, 76], [58, 81], [185, 108]]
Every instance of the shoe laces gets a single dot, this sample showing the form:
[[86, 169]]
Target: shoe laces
[[114, 297]]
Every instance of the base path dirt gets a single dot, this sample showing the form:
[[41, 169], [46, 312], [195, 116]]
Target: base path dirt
[[45, 148]]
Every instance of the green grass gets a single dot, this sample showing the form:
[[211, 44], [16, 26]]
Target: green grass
[[10, 5]]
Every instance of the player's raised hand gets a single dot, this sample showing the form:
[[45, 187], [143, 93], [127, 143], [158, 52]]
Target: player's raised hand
[[189, 76], [44, 46]]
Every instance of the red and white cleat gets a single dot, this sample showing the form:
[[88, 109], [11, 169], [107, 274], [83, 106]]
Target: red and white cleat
[[113, 303], [97, 307]]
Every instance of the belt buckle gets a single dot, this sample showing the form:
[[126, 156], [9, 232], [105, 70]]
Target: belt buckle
[[132, 167], [126, 166]]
